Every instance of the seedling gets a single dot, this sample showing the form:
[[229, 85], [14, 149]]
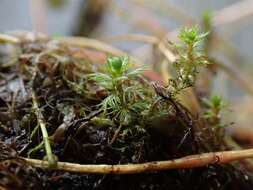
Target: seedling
[[123, 98], [214, 107], [212, 117], [190, 57], [126, 98]]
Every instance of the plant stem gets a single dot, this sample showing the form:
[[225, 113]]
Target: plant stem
[[51, 160], [116, 134], [192, 161], [230, 143]]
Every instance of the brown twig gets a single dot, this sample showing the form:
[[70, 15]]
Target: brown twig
[[234, 13], [96, 45], [230, 143], [165, 8], [244, 81], [133, 37], [116, 134], [198, 160], [91, 43]]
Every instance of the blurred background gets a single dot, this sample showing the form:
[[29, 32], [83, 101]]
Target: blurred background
[[230, 23]]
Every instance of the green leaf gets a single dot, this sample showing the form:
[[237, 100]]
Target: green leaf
[[117, 65], [125, 63], [136, 72], [125, 117], [207, 103], [139, 106], [192, 35], [99, 77], [114, 64], [102, 80], [111, 102], [217, 102], [202, 36], [209, 115]]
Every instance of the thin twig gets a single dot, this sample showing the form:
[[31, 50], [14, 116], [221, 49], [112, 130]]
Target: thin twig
[[165, 8], [234, 13], [243, 80], [198, 160], [97, 45], [41, 122], [132, 37], [116, 134], [91, 43], [230, 143]]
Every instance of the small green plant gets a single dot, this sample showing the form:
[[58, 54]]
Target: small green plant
[[127, 98], [213, 118], [214, 107], [190, 57], [129, 101]]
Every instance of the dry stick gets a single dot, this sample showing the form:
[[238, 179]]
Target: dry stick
[[242, 79], [133, 37], [165, 8], [230, 143], [95, 44], [116, 134], [150, 23], [91, 43], [192, 161], [233, 13]]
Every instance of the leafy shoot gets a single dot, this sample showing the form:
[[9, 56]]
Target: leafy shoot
[[190, 57], [214, 107], [125, 97]]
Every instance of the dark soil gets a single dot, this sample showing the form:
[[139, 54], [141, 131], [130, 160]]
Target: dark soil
[[77, 137]]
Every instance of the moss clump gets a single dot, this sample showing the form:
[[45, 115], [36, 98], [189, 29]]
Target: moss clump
[[105, 114]]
